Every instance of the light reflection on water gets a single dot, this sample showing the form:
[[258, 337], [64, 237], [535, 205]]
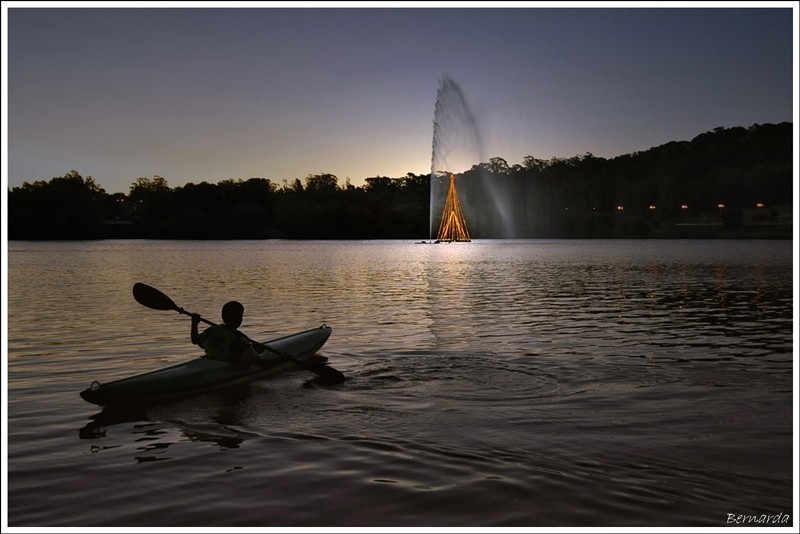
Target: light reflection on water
[[516, 383]]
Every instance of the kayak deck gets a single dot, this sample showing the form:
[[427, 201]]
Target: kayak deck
[[201, 375]]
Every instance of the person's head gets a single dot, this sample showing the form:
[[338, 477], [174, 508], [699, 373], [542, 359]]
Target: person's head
[[232, 313]]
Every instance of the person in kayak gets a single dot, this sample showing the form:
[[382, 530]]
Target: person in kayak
[[223, 341]]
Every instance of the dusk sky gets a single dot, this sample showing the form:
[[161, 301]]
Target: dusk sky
[[196, 95]]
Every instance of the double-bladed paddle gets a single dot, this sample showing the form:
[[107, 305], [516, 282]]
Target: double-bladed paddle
[[154, 299]]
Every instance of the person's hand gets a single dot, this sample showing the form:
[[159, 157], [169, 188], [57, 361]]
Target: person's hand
[[195, 318]]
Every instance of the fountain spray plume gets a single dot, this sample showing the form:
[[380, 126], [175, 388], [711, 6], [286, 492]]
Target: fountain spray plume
[[458, 150], [456, 144]]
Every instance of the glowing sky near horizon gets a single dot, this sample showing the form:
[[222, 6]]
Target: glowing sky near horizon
[[195, 94]]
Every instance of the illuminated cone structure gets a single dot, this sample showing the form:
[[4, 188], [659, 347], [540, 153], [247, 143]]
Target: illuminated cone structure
[[453, 226]]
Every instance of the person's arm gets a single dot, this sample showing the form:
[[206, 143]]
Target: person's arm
[[196, 337]]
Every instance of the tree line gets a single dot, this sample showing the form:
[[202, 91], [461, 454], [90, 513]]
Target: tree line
[[729, 177]]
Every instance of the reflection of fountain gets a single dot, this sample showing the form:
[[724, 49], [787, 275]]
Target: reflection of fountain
[[453, 226], [456, 144]]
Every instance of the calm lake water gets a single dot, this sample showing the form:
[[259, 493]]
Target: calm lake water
[[493, 383]]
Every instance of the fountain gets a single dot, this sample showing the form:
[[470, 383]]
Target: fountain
[[457, 149], [456, 144]]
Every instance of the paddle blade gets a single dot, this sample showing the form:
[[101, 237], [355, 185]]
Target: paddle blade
[[152, 297], [327, 375]]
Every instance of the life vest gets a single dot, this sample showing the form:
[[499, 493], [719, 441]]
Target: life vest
[[218, 342]]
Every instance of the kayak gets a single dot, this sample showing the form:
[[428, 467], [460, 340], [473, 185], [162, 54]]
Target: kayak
[[201, 375]]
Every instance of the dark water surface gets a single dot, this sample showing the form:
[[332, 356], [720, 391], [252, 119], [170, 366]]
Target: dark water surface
[[494, 383]]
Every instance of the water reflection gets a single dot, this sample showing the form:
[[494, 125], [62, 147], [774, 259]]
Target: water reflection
[[150, 452], [213, 418], [96, 427]]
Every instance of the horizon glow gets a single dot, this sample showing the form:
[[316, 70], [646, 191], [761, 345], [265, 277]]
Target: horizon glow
[[196, 95]]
